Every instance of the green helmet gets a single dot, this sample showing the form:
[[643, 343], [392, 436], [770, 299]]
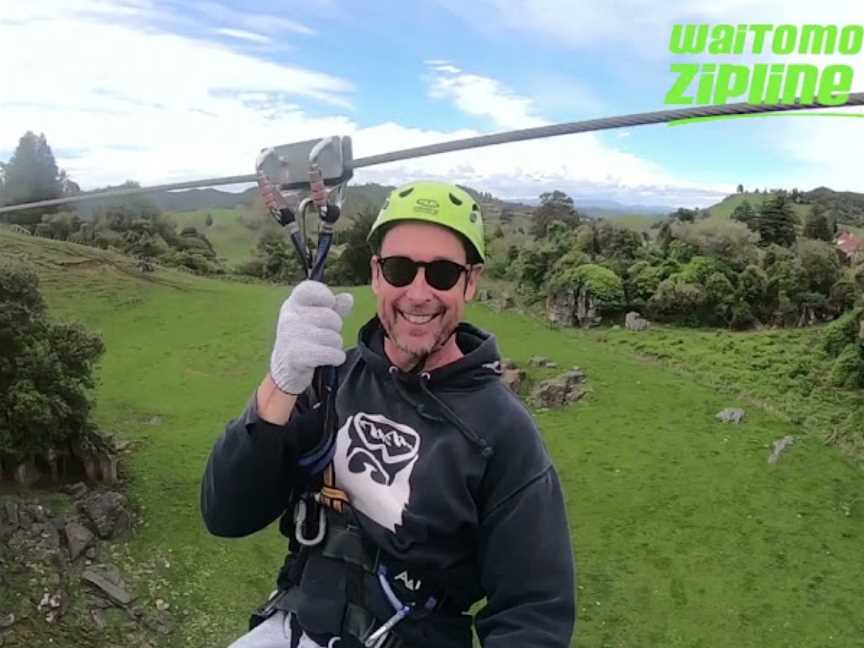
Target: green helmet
[[433, 202]]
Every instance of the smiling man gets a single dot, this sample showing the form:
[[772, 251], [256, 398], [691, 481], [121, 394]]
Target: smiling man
[[437, 490]]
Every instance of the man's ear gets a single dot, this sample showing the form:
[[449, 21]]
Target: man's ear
[[473, 278], [375, 269]]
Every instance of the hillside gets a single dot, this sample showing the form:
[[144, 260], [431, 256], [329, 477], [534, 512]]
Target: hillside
[[684, 535], [848, 206]]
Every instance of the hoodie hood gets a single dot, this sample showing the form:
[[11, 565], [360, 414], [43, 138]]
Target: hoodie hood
[[479, 365]]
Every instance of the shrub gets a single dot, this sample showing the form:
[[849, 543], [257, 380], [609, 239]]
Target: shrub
[[45, 371]]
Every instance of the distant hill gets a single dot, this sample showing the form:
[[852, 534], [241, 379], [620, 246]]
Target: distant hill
[[846, 206]]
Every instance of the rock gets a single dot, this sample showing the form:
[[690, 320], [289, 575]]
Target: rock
[[513, 379], [561, 390], [780, 446], [78, 538], [507, 363], [551, 393], [76, 490], [574, 377], [561, 308], [483, 294], [861, 329], [586, 310], [730, 415], [27, 474], [98, 617], [38, 543], [107, 578], [10, 508], [92, 553], [162, 605], [107, 514], [36, 512], [503, 303], [538, 361], [161, 622], [551, 365], [634, 322], [7, 621]]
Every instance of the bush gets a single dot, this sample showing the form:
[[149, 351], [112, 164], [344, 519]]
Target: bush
[[45, 371], [676, 300], [742, 316], [820, 264], [641, 281], [842, 331], [848, 368], [604, 286]]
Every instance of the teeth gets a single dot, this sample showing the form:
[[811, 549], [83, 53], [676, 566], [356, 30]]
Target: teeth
[[418, 319]]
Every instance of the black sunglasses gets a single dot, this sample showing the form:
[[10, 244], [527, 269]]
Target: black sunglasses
[[399, 271]]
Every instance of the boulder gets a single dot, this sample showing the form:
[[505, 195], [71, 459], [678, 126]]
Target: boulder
[[780, 446], [635, 322], [538, 361], [37, 542], [78, 539], [513, 378], [561, 308], [109, 582], [503, 303], [27, 474], [561, 390], [586, 310], [76, 490], [106, 512], [730, 415]]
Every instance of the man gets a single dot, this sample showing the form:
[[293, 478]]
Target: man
[[440, 491]]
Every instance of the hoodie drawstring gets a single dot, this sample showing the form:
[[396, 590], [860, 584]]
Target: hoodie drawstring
[[449, 414]]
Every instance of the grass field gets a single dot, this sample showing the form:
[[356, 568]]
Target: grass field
[[230, 238], [684, 535]]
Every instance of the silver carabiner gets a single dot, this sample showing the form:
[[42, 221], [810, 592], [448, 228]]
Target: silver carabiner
[[300, 511]]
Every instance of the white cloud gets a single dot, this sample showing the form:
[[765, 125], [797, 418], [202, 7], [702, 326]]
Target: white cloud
[[482, 96], [641, 27], [243, 35], [255, 22], [136, 103]]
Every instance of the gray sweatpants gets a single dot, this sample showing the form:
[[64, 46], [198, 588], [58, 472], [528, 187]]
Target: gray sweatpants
[[279, 631]]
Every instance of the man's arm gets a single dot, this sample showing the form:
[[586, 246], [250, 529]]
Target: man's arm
[[253, 466], [527, 569], [253, 469]]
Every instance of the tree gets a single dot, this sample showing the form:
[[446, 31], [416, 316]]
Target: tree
[[279, 261], [352, 267], [45, 371], [30, 175], [776, 221], [740, 188], [209, 220], [684, 215], [744, 212], [554, 206], [816, 225]]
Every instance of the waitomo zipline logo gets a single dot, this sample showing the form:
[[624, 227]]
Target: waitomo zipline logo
[[718, 82]]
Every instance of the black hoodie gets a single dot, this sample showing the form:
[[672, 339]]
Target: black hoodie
[[445, 469]]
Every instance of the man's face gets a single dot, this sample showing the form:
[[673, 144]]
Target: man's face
[[418, 318]]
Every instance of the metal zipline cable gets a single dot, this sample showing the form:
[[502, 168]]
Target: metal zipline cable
[[554, 130]]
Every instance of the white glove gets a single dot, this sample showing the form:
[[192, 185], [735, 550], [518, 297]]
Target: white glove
[[308, 335]]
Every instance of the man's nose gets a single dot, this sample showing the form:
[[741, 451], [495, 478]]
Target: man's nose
[[418, 289]]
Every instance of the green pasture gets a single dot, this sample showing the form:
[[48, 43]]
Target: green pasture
[[685, 536]]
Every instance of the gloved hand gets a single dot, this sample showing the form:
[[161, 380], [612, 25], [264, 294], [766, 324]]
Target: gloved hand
[[308, 335]]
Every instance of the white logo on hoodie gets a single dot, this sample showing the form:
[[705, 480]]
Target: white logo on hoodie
[[373, 463]]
